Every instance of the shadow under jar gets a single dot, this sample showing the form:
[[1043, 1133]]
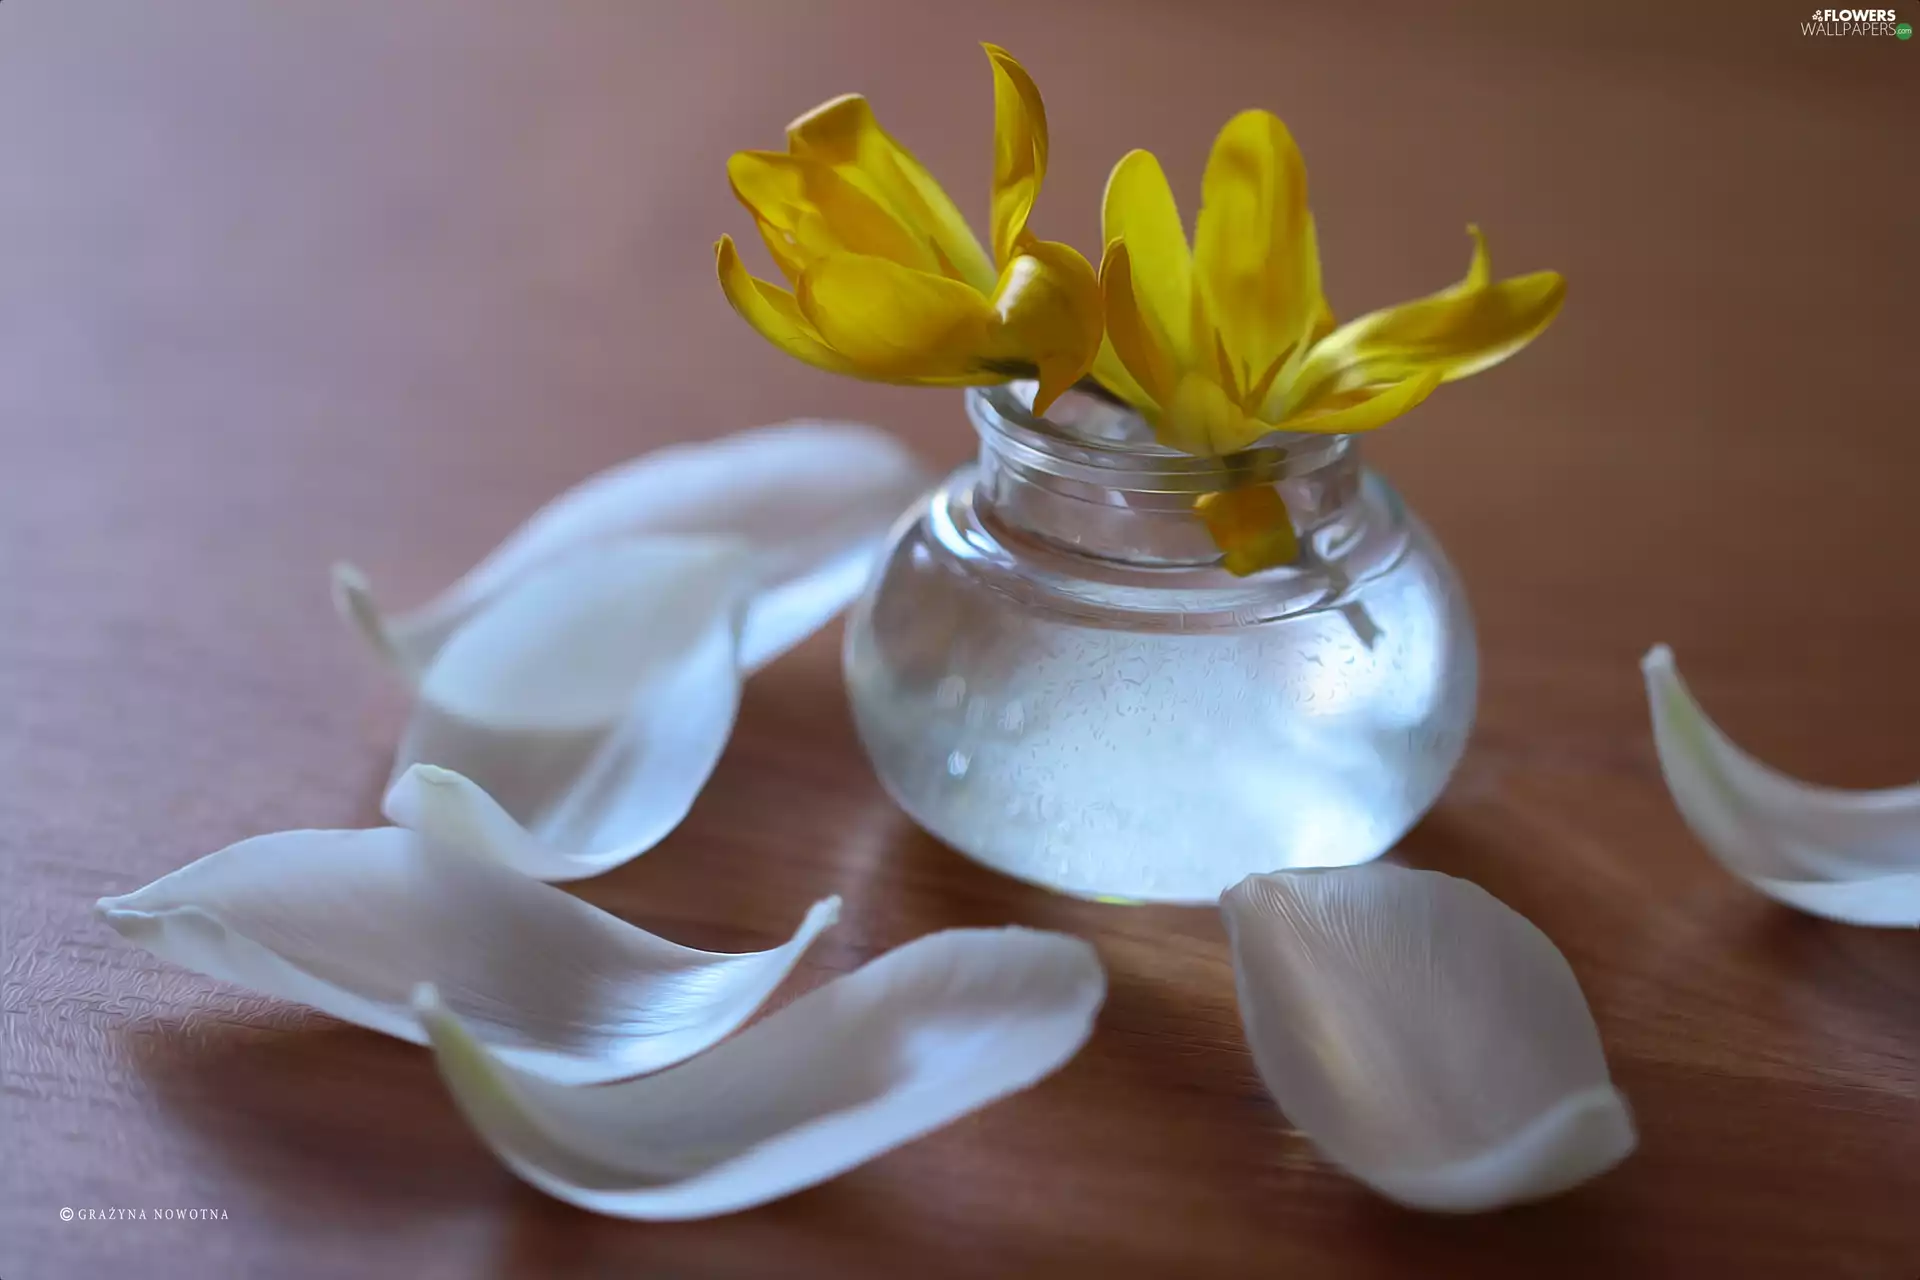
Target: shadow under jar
[[1053, 673]]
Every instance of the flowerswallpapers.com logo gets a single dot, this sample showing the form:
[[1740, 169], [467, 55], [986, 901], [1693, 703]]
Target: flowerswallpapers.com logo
[[1856, 22]]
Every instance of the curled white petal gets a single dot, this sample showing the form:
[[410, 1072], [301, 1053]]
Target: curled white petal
[[569, 725], [1429, 1039], [813, 499], [350, 921], [910, 1042], [1852, 856]]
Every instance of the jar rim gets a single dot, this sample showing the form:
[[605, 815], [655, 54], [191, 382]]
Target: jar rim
[[1003, 416]]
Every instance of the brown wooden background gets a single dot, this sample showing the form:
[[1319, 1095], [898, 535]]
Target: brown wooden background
[[281, 282]]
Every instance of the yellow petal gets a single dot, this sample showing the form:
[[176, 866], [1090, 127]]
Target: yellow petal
[[1365, 409], [774, 312], [1203, 419], [807, 209], [785, 247], [893, 323], [1251, 526], [1255, 259], [1134, 341], [1458, 331], [1019, 150], [1480, 266], [1110, 371], [774, 193], [1264, 383], [1222, 369], [1139, 208], [1048, 304], [844, 134], [1275, 393]]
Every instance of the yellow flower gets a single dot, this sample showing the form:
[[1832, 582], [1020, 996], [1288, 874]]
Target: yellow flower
[[1225, 343], [888, 281]]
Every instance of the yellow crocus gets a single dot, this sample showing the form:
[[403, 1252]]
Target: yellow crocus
[[888, 282], [1231, 340]]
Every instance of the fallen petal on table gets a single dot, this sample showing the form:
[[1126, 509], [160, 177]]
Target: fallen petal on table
[[350, 922], [1852, 856], [910, 1042], [813, 500], [570, 724], [1428, 1039]]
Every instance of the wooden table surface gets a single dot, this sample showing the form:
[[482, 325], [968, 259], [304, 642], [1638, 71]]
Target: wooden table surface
[[281, 283]]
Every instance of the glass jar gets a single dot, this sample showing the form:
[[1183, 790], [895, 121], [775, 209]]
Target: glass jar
[[1054, 675]]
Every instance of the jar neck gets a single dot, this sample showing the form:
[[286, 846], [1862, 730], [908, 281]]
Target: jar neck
[[1090, 480]]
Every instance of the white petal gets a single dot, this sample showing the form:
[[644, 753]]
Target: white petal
[[814, 499], [350, 921], [1428, 1038], [912, 1041], [570, 723], [1846, 855]]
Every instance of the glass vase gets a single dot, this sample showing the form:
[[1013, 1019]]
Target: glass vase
[[1053, 673]]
